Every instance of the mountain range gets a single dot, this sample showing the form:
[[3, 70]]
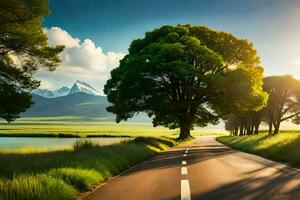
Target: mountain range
[[78, 86], [81, 100], [75, 104]]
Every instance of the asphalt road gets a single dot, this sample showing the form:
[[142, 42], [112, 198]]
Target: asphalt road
[[204, 169]]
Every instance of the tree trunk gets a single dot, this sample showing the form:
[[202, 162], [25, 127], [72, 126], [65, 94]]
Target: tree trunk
[[256, 128], [236, 131], [276, 127], [248, 130], [270, 128], [252, 129], [185, 131], [241, 130]]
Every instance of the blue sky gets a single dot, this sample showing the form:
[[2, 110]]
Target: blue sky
[[110, 25]]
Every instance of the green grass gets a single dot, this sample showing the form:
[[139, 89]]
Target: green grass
[[71, 126], [42, 187], [84, 129], [31, 149], [284, 147], [63, 174], [82, 179]]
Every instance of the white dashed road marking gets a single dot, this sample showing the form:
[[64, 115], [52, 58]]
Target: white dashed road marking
[[183, 170], [185, 190], [185, 186]]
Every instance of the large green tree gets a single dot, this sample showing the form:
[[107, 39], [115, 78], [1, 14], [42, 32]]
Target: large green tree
[[184, 76], [23, 49]]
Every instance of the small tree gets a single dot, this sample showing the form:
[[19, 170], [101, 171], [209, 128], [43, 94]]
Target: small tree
[[184, 76], [23, 49]]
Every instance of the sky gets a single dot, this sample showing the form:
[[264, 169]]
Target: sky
[[97, 33]]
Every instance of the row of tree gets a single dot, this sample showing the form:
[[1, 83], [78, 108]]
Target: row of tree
[[283, 104]]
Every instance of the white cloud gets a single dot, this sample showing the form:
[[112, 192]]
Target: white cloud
[[58, 36], [80, 60], [297, 62]]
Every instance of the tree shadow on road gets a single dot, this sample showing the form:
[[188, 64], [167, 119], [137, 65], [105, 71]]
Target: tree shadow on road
[[174, 157], [282, 184]]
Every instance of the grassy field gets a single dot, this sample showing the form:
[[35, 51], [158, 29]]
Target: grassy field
[[284, 147], [84, 129], [69, 126], [61, 175], [78, 126]]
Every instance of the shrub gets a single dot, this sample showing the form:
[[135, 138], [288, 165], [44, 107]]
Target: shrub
[[84, 145]]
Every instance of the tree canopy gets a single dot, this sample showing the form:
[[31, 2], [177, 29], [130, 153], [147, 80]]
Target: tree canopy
[[23, 49], [186, 75], [284, 101]]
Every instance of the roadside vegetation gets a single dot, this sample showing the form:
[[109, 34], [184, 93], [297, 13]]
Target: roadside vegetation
[[283, 146], [63, 174]]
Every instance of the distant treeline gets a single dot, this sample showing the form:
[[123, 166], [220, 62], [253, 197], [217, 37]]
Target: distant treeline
[[283, 104]]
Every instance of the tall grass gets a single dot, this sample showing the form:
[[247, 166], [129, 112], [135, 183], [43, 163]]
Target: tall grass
[[84, 145], [42, 187], [82, 179], [284, 146], [68, 172]]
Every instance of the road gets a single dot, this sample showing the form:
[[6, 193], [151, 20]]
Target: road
[[204, 169]]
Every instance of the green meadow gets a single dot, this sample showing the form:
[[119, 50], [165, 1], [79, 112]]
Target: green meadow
[[284, 147], [77, 126], [83, 127]]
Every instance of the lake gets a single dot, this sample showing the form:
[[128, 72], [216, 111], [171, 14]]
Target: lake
[[20, 142]]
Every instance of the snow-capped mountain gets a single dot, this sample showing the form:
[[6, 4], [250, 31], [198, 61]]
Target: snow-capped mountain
[[81, 86], [78, 86], [43, 92], [63, 91]]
